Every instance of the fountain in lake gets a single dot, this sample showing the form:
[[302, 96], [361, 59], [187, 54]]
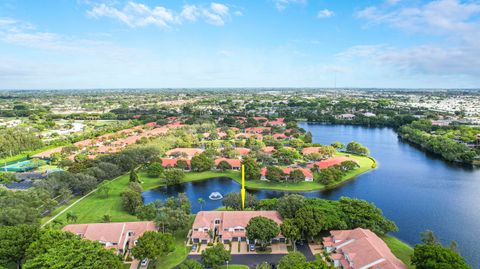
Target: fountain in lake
[[215, 196]]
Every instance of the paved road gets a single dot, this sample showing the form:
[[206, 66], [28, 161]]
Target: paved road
[[252, 260]]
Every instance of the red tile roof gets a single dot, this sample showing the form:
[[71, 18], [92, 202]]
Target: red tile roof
[[242, 151], [234, 163], [331, 162], [229, 219], [310, 150], [364, 250], [171, 162], [114, 235]]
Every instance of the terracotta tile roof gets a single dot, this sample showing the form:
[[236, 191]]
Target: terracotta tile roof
[[257, 130], [268, 149], [114, 234], [363, 249], [310, 150], [242, 151], [278, 121], [171, 162], [306, 171], [229, 219], [331, 162], [279, 136], [235, 163]]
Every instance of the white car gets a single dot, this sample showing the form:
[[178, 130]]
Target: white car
[[144, 262]]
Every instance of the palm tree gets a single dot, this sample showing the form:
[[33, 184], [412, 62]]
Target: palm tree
[[71, 217], [201, 201], [106, 218]]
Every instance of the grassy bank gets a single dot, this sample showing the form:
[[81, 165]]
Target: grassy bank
[[96, 205], [401, 250], [366, 164]]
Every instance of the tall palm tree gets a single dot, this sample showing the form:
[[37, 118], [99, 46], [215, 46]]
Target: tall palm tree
[[201, 201]]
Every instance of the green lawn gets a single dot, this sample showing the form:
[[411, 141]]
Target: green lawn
[[366, 164], [92, 208], [95, 206], [400, 249]]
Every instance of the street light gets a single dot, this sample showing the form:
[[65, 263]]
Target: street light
[[227, 264]]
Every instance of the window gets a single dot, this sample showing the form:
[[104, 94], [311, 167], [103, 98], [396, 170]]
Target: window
[[217, 221]]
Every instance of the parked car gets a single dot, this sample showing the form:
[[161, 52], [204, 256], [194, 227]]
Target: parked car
[[194, 247], [252, 247], [144, 262]]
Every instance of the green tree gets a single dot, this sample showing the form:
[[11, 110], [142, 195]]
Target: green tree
[[155, 169], [360, 213], [133, 176], [202, 162], [310, 220], [71, 216], [357, 148], [289, 204], [338, 145], [252, 168], [174, 176], [292, 260], [152, 244], [263, 230], [224, 165], [215, 256], [14, 242], [291, 231], [104, 189], [201, 202], [275, 173], [233, 200], [190, 264], [296, 176], [72, 254], [106, 218], [437, 257], [131, 200]]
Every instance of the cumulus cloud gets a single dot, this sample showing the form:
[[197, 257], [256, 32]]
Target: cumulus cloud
[[455, 23], [325, 13], [282, 4], [135, 14]]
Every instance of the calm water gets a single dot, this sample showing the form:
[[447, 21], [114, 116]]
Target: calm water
[[416, 190]]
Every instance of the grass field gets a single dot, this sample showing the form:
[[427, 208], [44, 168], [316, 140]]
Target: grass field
[[93, 207], [400, 249]]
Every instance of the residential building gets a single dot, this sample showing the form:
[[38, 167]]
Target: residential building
[[121, 236], [360, 249], [236, 164], [228, 226]]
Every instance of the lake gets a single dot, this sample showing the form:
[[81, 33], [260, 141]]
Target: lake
[[415, 189]]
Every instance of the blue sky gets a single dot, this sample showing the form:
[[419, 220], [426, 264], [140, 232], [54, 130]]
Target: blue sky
[[254, 43]]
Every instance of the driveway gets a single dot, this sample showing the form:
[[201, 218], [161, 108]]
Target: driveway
[[252, 260], [279, 248]]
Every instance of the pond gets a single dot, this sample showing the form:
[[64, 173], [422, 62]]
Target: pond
[[415, 189]]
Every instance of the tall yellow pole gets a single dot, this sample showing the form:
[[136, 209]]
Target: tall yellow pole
[[243, 187]]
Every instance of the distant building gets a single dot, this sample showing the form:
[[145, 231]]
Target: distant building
[[307, 173], [236, 164], [346, 116], [228, 225], [121, 236], [360, 249], [187, 152]]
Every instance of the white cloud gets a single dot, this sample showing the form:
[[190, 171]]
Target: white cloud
[[135, 14], [455, 23], [325, 13], [219, 9], [238, 13], [282, 4]]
